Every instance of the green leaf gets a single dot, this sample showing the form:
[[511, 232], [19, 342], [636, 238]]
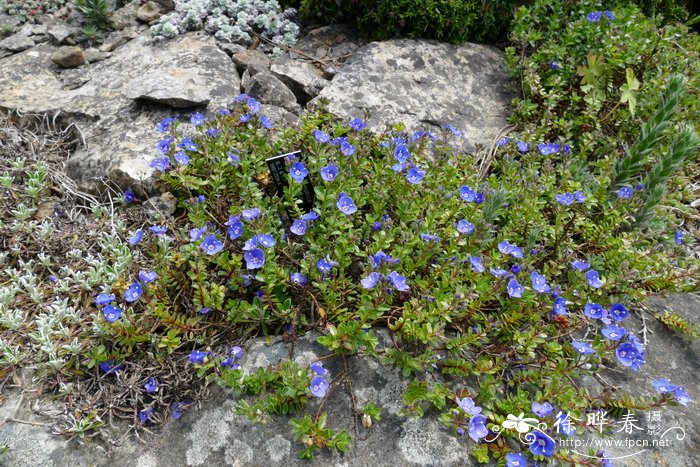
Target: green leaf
[[629, 91]]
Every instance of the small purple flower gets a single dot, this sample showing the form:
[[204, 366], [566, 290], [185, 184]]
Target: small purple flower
[[401, 154], [663, 386], [559, 308], [321, 136], [52, 278], [514, 288], [254, 258], [213, 132], [211, 245], [197, 119], [347, 148], [298, 227], [468, 405], [467, 194], [583, 348], [317, 367], [145, 415], [182, 158], [627, 354], [371, 280], [265, 122], [233, 159], [133, 293], [151, 386], [477, 428], [104, 299], [188, 144], [429, 237], [539, 282], [516, 460], [147, 277], [452, 129], [357, 124], [253, 105], [565, 199], [236, 352], [164, 145], [111, 313], [204, 310], [580, 265], [547, 149], [477, 264], [682, 396], [266, 240], [298, 172], [503, 141], [250, 214], [522, 146], [515, 269], [508, 248], [398, 281], [111, 366], [346, 204], [230, 363], [129, 197], [618, 312], [319, 386], [613, 332], [554, 65], [245, 118], [324, 266], [310, 216], [158, 229], [224, 112], [639, 187], [161, 164], [398, 168], [196, 234], [678, 238], [610, 15], [197, 356], [593, 279], [415, 175], [329, 172], [298, 278], [580, 197], [625, 192], [465, 227], [498, 272], [165, 124], [136, 237], [175, 411], [543, 409], [594, 310], [563, 422], [594, 16]]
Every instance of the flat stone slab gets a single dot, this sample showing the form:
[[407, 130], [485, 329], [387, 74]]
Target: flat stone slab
[[425, 83]]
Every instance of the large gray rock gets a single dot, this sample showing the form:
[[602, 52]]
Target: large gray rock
[[17, 42], [150, 11], [303, 78], [68, 57], [270, 90], [119, 132], [175, 88], [254, 61], [61, 34], [425, 83]]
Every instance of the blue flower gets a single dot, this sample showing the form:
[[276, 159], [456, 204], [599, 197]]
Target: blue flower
[[678, 238], [265, 122], [563, 422], [516, 460], [147, 277], [477, 428], [266, 240], [145, 414], [213, 132], [204, 310], [230, 363], [559, 308], [310, 216], [593, 279], [618, 312], [515, 269], [211, 245], [317, 367], [253, 105], [196, 234], [547, 149], [197, 356], [321, 136], [377, 225], [133, 293], [319, 386], [241, 97], [164, 145], [298, 278], [401, 154], [245, 118], [663, 386], [565, 199], [465, 227], [610, 15], [639, 187], [498, 272], [627, 354], [398, 281], [298, 227], [508, 248], [625, 192], [250, 214], [582, 347], [329, 172], [136, 237], [371, 280], [235, 230], [594, 16], [554, 65], [233, 159], [298, 172], [467, 194], [515, 289], [104, 299], [347, 148], [111, 366], [477, 264], [254, 259], [236, 352], [539, 283], [452, 129], [188, 144], [682, 396], [594, 310], [161, 164], [165, 124], [415, 175], [111, 313], [224, 112], [429, 237], [398, 168], [129, 197], [503, 141], [613, 332], [522, 146], [151, 386], [158, 229], [542, 410], [325, 265], [468, 405], [580, 197], [346, 204], [197, 119], [357, 124], [580, 265]]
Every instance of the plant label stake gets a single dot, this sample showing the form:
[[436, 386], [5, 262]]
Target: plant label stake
[[278, 171]]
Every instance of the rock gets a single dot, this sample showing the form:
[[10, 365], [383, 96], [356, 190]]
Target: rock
[[117, 39], [60, 33], [325, 38], [120, 133], [17, 42], [9, 21], [245, 80], [39, 39], [425, 83], [93, 55], [149, 11], [73, 79], [173, 87], [303, 78], [161, 206], [270, 90], [126, 16], [168, 5], [252, 60], [68, 56], [231, 49]]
